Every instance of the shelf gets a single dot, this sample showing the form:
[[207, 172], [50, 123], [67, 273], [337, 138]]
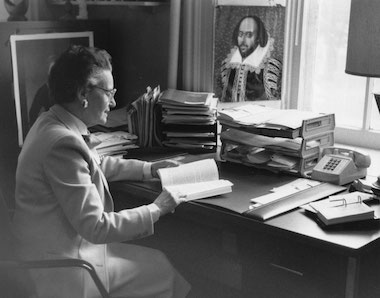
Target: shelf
[[113, 2]]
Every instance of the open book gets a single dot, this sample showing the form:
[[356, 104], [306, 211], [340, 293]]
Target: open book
[[196, 180]]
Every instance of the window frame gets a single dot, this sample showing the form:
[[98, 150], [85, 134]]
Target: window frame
[[363, 136]]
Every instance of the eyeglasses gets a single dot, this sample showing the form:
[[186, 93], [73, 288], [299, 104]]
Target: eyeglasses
[[109, 92]]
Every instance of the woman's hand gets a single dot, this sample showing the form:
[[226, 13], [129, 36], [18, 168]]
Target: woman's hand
[[167, 202], [167, 163]]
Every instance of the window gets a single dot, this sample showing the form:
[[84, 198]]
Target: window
[[324, 86]]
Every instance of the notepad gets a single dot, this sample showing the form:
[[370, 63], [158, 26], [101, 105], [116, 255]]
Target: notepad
[[343, 208]]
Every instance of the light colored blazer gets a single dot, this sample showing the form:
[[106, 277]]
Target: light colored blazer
[[63, 204]]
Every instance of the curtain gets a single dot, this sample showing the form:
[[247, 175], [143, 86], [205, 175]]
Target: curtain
[[196, 49]]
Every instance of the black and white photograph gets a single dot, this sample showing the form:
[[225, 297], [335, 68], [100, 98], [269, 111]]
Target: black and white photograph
[[190, 149]]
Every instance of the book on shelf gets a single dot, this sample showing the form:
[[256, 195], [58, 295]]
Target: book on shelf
[[195, 180], [343, 208]]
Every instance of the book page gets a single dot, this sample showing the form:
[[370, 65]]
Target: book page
[[193, 172], [194, 191]]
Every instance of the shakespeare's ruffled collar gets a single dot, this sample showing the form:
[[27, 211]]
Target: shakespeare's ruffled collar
[[255, 61]]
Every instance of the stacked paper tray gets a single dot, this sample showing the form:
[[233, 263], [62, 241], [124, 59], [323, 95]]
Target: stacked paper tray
[[307, 127], [301, 147], [271, 160], [274, 139]]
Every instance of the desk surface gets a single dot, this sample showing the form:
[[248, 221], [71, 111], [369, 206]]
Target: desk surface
[[250, 182]]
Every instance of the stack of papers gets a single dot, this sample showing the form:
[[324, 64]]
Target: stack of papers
[[265, 120], [186, 107], [188, 119], [115, 143], [271, 144], [261, 116]]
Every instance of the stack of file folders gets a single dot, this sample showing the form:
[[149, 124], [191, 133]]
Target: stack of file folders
[[143, 118], [275, 139], [188, 120]]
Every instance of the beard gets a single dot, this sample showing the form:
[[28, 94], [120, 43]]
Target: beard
[[246, 53]]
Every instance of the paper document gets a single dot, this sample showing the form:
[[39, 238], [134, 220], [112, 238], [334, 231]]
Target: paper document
[[266, 117], [285, 190]]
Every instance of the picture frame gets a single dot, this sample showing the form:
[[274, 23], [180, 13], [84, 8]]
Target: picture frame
[[231, 83], [32, 55]]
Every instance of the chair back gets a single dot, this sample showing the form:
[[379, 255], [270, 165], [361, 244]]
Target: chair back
[[13, 282]]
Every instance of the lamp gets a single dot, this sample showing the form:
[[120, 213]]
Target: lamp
[[363, 48]]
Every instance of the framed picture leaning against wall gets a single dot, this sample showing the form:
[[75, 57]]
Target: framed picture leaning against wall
[[32, 56]]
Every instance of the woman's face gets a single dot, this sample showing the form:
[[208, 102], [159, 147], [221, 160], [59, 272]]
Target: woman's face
[[100, 97]]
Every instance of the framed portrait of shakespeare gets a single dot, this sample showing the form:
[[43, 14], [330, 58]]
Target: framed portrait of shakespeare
[[249, 42], [32, 57]]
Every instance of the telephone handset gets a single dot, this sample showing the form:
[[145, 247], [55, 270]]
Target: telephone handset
[[341, 166]]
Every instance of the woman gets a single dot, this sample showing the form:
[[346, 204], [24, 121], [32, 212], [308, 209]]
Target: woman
[[63, 205]]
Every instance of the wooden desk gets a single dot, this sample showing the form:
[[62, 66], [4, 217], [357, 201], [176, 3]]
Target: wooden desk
[[224, 254]]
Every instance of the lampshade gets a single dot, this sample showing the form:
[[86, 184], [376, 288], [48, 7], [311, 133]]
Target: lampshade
[[363, 49]]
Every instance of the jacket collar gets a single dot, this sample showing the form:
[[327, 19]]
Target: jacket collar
[[71, 121]]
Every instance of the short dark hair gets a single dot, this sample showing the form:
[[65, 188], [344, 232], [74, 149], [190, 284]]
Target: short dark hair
[[72, 69], [262, 34]]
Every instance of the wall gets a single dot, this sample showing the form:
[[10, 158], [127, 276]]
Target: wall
[[140, 47], [138, 42], [3, 13]]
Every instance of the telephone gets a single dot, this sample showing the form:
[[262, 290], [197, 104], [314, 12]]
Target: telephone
[[341, 166]]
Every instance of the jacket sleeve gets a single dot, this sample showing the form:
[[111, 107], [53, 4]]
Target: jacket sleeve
[[70, 171], [122, 169]]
